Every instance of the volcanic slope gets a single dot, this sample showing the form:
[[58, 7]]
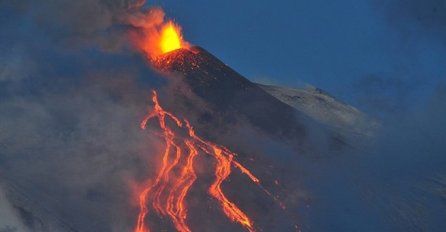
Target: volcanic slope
[[226, 91]]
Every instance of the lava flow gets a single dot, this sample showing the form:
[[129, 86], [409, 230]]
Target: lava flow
[[167, 193]]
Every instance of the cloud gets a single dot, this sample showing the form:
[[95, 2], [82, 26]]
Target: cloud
[[73, 153], [74, 24], [383, 95], [70, 142], [11, 62], [9, 220], [427, 16]]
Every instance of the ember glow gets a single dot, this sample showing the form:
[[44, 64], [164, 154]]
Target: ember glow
[[167, 193]]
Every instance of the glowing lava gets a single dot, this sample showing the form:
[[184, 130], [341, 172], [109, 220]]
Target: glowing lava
[[167, 193], [170, 38]]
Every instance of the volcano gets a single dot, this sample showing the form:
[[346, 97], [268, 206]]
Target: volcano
[[194, 178], [92, 139]]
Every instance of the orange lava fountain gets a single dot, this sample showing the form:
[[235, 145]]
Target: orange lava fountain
[[167, 193], [170, 38], [158, 39]]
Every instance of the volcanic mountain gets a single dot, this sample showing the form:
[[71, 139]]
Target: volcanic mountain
[[208, 151]]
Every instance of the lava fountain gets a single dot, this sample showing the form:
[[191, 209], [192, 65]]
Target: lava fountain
[[171, 38], [156, 37]]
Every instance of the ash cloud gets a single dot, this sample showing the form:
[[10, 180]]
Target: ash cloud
[[76, 24]]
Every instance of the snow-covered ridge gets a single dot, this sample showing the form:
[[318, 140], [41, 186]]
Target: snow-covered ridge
[[324, 108]]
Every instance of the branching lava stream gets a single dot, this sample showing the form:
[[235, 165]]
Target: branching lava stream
[[167, 193]]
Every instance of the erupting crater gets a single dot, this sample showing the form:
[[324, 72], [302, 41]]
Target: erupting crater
[[155, 41]]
